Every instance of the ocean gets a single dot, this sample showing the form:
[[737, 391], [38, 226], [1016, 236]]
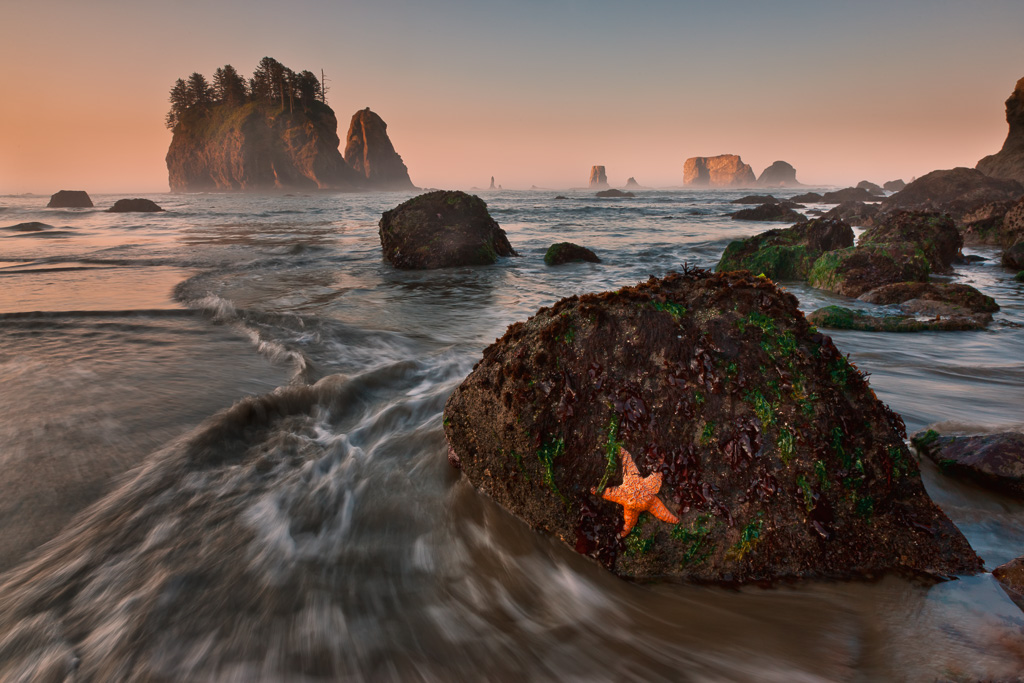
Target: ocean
[[222, 459]]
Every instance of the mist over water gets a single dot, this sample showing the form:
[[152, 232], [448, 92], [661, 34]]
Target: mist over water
[[223, 460]]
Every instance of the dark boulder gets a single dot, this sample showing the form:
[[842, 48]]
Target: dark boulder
[[134, 205], [70, 199], [1011, 577], [935, 234], [756, 199], [1013, 257], [786, 253], [894, 185], [614, 193], [849, 194], [756, 449], [932, 298], [995, 461], [957, 192], [870, 187], [854, 213], [769, 212], [441, 229], [856, 270], [807, 198], [567, 252]]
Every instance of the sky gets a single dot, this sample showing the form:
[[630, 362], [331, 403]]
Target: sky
[[532, 92]]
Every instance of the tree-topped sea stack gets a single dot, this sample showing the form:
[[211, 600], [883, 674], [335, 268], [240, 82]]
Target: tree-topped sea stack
[[272, 132], [702, 406], [441, 229]]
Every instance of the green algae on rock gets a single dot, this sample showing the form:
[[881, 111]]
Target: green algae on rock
[[441, 229], [842, 318], [856, 270], [935, 234], [775, 455], [786, 253]]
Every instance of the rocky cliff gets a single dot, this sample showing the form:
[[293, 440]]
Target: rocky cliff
[[725, 170], [779, 174], [369, 151], [1009, 161], [256, 146]]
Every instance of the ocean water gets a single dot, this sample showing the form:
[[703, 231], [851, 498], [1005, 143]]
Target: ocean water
[[222, 459]]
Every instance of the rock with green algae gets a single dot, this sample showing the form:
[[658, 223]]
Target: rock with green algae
[[842, 318], [934, 233], [567, 252], [1019, 277], [856, 270], [786, 253], [442, 229], [771, 449], [995, 461]]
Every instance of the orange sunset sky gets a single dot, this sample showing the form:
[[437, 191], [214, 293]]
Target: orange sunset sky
[[532, 92]]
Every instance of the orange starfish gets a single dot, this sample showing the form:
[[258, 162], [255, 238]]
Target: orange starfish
[[636, 494]]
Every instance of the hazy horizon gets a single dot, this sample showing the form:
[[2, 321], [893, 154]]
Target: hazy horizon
[[533, 93]]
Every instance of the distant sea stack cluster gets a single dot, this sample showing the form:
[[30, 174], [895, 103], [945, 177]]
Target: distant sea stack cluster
[[273, 132], [728, 170]]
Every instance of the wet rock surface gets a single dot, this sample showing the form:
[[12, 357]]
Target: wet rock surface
[[854, 213], [753, 431], [769, 212], [1011, 577], [935, 234], [134, 205], [856, 270], [992, 460], [1013, 257], [614, 193], [567, 252], [70, 199], [786, 253], [843, 318], [947, 298], [442, 229]]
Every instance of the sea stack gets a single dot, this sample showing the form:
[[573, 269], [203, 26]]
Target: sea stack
[[598, 179], [368, 150], [724, 170], [1009, 161], [779, 174]]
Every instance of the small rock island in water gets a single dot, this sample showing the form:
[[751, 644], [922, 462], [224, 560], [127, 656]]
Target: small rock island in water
[[273, 132]]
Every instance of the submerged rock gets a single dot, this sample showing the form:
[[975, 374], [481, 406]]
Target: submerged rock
[[993, 460], [70, 199], [567, 252], [31, 226], [935, 234], [614, 193], [786, 253], [856, 270], [842, 318], [769, 212], [957, 192], [1008, 162], [724, 170], [756, 434], [779, 174], [134, 205], [441, 229]]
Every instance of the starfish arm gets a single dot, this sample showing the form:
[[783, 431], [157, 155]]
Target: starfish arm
[[658, 509], [616, 495], [628, 466], [629, 516]]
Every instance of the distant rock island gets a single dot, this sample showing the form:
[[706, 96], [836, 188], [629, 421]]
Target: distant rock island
[[1009, 161], [272, 132], [779, 174], [598, 179], [724, 170]]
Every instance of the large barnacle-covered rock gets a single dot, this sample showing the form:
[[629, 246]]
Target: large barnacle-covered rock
[[706, 399]]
